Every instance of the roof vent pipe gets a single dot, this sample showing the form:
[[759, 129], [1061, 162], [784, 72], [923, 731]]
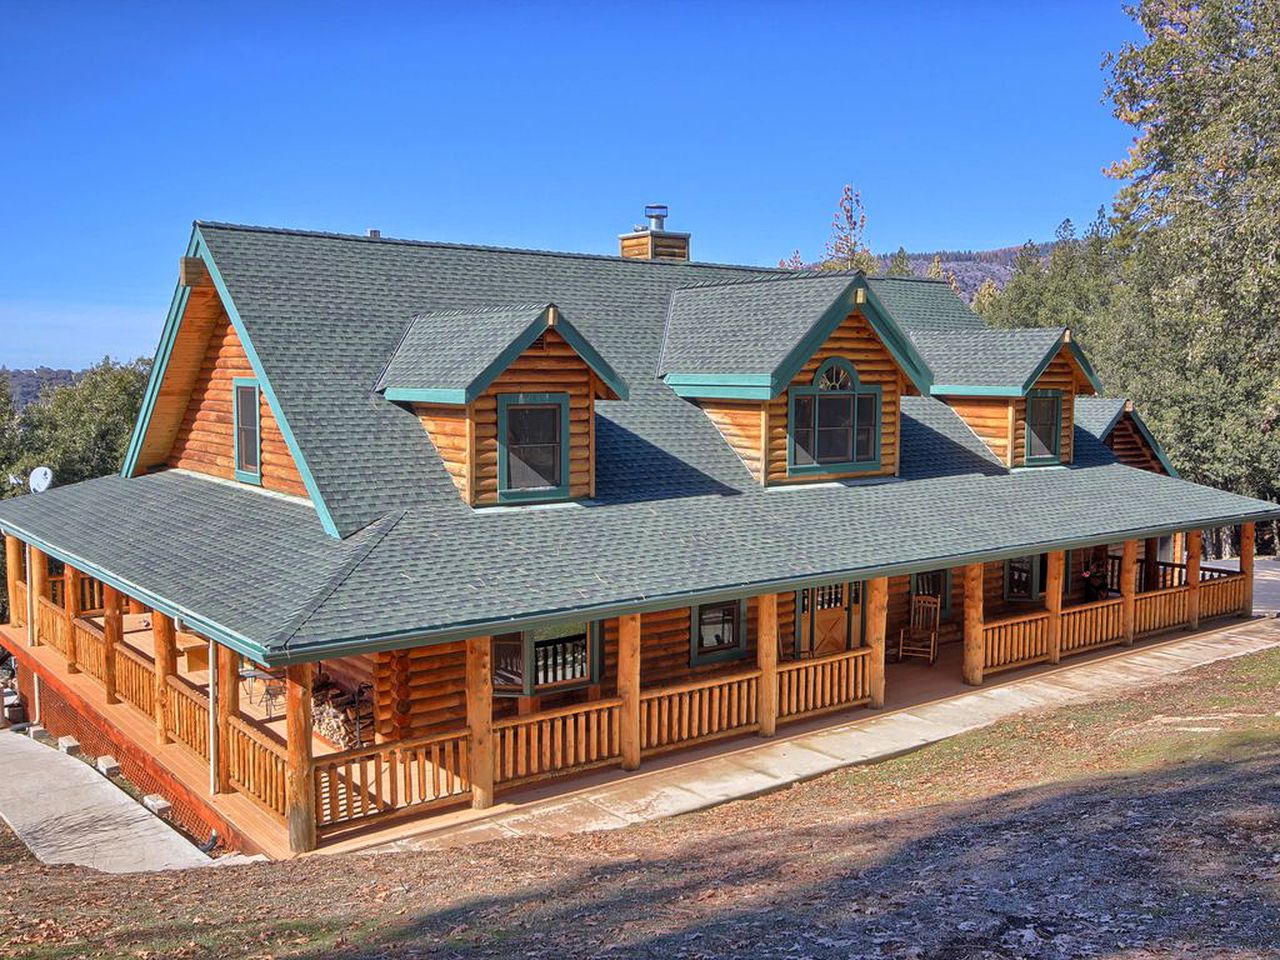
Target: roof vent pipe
[[657, 215]]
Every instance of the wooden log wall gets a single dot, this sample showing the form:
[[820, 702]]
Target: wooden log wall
[[420, 691], [742, 424], [467, 437], [989, 418], [205, 440], [1131, 447], [1059, 375], [855, 341]]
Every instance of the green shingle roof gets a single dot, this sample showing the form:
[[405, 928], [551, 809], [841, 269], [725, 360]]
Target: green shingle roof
[[985, 357], [676, 516]]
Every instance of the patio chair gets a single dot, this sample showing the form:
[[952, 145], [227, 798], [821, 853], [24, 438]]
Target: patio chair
[[920, 638]]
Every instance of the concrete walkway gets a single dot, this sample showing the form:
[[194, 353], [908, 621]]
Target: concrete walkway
[[757, 766], [66, 812]]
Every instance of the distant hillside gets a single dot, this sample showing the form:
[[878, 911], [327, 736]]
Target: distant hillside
[[971, 267], [27, 384]]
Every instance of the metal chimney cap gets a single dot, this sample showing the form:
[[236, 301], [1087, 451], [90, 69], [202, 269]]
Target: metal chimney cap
[[373, 233], [655, 210]]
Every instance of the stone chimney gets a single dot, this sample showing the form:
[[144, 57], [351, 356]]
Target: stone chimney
[[654, 242]]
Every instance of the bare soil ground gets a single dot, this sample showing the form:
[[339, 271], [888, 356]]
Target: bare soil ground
[[1138, 827]]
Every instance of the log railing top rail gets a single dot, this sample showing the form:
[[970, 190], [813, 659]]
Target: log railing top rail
[[790, 666], [569, 711], [679, 688], [1017, 618], [368, 751]]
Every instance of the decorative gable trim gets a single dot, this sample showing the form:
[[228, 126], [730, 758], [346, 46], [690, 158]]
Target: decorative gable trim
[[197, 248]]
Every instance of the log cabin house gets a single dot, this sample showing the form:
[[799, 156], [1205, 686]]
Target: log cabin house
[[404, 526]]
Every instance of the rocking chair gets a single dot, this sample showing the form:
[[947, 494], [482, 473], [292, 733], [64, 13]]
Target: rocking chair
[[920, 639]]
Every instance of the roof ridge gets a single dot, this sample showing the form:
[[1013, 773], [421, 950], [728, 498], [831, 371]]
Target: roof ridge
[[911, 279], [777, 278], [487, 248]]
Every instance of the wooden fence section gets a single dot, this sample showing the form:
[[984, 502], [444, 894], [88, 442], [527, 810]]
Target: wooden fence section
[[1091, 625], [136, 679], [187, 716], [257, 765], [51, 625], [1016, 641], [699, 710], [1222, 595], [556, 741], [18, 616], [1160, 610], [812, 686], [369, 782], [91, 649], [92, 596], [57, 591]]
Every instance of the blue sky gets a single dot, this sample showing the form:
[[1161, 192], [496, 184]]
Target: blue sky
[[964, 125]]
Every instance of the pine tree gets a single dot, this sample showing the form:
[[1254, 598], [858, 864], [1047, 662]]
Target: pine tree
[[985, 298], [847, 248], [900, 265], [935, 268]]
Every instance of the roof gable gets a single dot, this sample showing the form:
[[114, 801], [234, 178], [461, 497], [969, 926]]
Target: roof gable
[[748, 339], [999, 363], [452, 356]]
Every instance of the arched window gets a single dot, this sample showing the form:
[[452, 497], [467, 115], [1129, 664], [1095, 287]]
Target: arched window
[[834, 425]]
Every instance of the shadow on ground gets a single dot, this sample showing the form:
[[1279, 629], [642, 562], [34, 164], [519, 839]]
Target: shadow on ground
[[1182, 861]]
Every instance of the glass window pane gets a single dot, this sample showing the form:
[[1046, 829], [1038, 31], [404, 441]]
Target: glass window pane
[[1019, 578], [1042, 426], [803, 447], [533, 466], [539, 424], [835, 411], [246, 429], [835, 445], [718, 627], [508, 661]]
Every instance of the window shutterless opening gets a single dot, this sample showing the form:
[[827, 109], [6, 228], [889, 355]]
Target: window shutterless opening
[[718, 631], [563, 656], [1024, 577], [247, 430], [834, 425], [1044, 427], [533, 446]]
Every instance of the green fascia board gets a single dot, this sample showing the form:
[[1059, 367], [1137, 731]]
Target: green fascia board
[[429, 395], [264, 384], [1094, 380], [375, 642], [964, 390], [159, 364], [228, 638], [1150, 438], [745, 386], [1053, 352]]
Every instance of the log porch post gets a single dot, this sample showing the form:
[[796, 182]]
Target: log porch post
[[12, 567], [629, 688], [1194, 543], [71, 608], [877, 634], [975, 653], [112, 629], [767, 661], [299, 795], [1056, 564], [166, 660], [1248, 533], [227, 703], [480, 719], [37, 586], [1129, 589]]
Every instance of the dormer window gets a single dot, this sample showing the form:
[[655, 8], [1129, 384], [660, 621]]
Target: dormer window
[[1044, 427], [533, 453], [834, 424]]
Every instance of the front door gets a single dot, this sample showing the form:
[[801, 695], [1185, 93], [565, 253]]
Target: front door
[[830, 619]]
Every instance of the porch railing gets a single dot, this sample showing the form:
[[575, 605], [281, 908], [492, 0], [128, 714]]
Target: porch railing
[[554, 741], [187, 716], [91, 649], [135, 679], [1222, 595], [257, 764], [1016, 641], [379, 781], [51, 624], [812, 686], [1091, 625], [1160, 610], [670, 716]]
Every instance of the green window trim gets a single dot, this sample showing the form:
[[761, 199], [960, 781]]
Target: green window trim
[[737, 652], [528, 642], [944, 608], [857, 390], [244, 474], [508, 494], [1039, 566], [1056, 457]]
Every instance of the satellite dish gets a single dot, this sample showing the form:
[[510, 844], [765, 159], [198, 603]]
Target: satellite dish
[[40, 479]]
